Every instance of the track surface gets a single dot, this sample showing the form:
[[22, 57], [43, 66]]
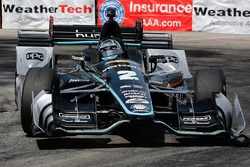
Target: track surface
[[229, 52]]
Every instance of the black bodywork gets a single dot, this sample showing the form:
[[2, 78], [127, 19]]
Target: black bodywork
[[97, 97]]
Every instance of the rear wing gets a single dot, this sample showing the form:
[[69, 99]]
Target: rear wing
[[89, 35]]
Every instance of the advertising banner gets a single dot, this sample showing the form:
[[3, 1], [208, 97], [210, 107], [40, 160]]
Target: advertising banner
[[0, 14], [162, 15], [222, 16], [26, 14]]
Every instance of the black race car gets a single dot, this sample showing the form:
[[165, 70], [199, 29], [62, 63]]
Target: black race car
[[125, 79]]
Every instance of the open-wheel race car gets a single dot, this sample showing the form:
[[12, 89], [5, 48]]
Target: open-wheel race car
[[124, 79]]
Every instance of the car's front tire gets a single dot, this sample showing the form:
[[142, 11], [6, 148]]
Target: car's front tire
[[207, 82], [37, 79]]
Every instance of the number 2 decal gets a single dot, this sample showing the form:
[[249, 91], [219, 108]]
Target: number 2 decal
[[127, 75]]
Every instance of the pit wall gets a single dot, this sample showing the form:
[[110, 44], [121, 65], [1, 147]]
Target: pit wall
[[220, 16]]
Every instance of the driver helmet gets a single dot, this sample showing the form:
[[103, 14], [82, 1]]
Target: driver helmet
[[110, 49]]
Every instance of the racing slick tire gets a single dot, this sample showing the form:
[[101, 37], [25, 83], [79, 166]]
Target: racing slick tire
[[207, 82], [37, 79]]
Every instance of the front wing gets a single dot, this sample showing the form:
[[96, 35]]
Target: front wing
[[44, 121]]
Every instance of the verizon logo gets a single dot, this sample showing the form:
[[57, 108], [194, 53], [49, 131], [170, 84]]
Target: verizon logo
[[62, 8]]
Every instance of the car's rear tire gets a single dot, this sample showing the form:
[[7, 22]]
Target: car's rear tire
[[207, 82], [37, 79]]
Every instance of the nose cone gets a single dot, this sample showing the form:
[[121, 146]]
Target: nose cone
[[128, 85]]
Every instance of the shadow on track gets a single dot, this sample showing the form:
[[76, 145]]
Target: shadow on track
[[71, 143], [81, 143], [242, 141]]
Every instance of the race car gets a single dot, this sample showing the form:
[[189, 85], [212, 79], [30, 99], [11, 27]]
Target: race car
[[124, 78]]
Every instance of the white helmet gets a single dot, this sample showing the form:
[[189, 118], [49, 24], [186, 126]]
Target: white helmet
[[110, 49]]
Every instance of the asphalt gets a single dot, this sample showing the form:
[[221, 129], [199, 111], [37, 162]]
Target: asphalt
[[204, 51]]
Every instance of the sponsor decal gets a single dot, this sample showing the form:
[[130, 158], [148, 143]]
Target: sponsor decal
[[126, 86], [136, 97], [87, 35], [75, 117], [121, 65], [131, 86], [27, 57], [202, 120], [61, 8], [64, 8], [35, 56], [137, 100], [78, 59], [139, 108], [156, 15], [232, 12], [11, 8], [173, 59], [133, 93], [76, 80], [187, 15], [127, 75], [222, 16], [170, 59], [159, 7], [117, 5], [35, 14]]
